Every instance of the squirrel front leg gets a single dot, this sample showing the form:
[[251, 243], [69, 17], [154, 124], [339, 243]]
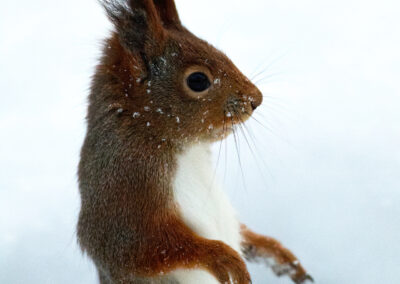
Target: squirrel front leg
[[173, 246], [257, 247], [180, 248]]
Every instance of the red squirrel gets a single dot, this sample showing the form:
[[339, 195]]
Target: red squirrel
[[159, 98]]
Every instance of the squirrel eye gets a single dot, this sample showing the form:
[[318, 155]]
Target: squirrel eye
[[198, 82]]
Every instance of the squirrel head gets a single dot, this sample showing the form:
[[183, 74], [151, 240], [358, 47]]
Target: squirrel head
[[162, 83]]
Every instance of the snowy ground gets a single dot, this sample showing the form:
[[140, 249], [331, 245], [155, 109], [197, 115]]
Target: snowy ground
[[325, 179]]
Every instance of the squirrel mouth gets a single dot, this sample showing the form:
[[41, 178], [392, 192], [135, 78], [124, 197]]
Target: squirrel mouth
[[222, 132], [233, 120], [235, 115]]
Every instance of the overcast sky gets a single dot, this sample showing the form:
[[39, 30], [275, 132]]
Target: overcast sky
[[325, 174]]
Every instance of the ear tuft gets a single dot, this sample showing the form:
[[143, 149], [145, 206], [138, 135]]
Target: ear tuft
[[168, 13], [137, 23]]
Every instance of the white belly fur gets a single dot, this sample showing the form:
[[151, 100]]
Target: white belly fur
[[204, 206]]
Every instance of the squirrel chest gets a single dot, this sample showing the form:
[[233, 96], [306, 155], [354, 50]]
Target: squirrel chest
[[203, 205]]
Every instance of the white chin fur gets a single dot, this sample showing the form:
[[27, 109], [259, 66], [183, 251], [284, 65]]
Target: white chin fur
[[204, 207]]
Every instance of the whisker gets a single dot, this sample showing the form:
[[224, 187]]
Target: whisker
[[270, 129], [278, 105], [271, 97], [226, 158], [219, 154], [255, 143], [268, 103], [268, 66], [238, 153], [244, 129], [264, 79], [257, 70], [280, 117], [266, 122]]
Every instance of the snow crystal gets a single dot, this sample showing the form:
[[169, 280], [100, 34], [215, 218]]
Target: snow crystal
[[113, 106], [217, 81], [178, 120], [135, 114], [148, 124], [120, 110], [159, 110], [228, 114], [146, 108]]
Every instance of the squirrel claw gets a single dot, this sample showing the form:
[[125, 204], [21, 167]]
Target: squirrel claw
[[304, 279]]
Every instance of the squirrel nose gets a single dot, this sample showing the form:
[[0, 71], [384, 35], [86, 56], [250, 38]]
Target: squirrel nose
[[256, 99], [254, 106]]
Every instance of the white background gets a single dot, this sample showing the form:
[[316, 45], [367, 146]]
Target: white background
[[325, 177]]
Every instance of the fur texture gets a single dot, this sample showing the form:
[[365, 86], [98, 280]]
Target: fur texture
[[141, 179]]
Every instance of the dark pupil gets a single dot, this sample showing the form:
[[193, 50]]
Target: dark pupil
[[198, 82]]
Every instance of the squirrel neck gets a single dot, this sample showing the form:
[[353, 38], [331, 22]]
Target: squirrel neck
[[128, 172]]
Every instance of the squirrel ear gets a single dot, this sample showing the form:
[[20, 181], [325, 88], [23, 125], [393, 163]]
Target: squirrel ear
[[168, 13], [138, 24]]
